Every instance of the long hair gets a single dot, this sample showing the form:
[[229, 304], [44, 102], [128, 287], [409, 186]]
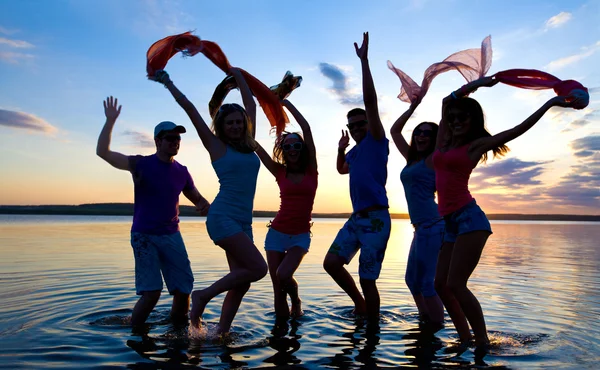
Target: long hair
[[278, 151], [247, 144], [477, 129], [413, 154]]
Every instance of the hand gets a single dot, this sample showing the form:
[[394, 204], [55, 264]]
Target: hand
[[203, 206], [561, 101], [344, 140], [415, 101], [161, 76], [110, 109], [363, 51], [487, 81]]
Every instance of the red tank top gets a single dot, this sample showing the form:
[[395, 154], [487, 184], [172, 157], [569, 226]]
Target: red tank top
[[296, 203], [452, 171]]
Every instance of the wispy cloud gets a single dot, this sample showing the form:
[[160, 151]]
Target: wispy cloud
[[558, 20], [589, 117], [26, 121], [509, 173], [340, 86], [141, 139], [164, 15], [14, 58], [6, 31], [586, 52], [586, 146], [15, 43]]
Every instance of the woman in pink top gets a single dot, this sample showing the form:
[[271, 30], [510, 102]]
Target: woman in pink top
[[462, 143], [294, 165]]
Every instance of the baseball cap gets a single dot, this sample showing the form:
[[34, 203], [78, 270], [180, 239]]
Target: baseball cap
[[167, 126]]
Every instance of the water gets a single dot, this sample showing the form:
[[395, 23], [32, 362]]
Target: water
[[67, 289]]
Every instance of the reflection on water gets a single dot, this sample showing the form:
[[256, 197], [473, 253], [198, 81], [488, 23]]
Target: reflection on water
[[68, 289]]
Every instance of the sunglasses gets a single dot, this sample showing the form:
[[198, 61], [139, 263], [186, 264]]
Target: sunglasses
[[352, 125], [419, 132], [461, 117], [296, 146], [171, 138]]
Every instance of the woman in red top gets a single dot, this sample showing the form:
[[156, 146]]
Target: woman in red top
[[463, 142], [294, 165]]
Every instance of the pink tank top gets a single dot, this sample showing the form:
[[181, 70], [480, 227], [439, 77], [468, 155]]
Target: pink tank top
[[452, 171], [296, 203]]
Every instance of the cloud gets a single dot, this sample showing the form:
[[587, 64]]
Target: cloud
[[27, 121], [14, 58], [588, 118], [163, 15], [6, 31], [142, 139], [15, 43], [586, 146], [340, 84], [558, 20], [510, 173], [563, 62]]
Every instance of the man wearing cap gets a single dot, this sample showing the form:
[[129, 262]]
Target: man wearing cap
[[155, 237]]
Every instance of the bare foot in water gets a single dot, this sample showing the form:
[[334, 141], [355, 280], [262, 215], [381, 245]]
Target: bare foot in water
[[296, 310], [198, 306], [360, 310]]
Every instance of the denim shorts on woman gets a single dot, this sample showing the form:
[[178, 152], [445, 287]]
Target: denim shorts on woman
[[280, 242], [465, 220], [220, 227]]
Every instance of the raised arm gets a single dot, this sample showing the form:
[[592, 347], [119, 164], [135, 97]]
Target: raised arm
[[341, 164], [202, 205], [369, 93], [115, 159], [485, 144], [396, 130], [209, 140], [266, 159], [460, 93], [247, 97], [306, 132]]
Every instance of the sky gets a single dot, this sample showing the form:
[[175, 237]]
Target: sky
[[60, 59]]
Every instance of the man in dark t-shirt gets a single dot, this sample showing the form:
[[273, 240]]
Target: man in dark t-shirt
[[158, 248]]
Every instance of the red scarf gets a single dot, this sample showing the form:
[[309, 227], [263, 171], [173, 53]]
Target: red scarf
[[161, 51]]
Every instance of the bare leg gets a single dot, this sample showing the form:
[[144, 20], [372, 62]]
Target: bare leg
[[282, 310], [452, 306], [369, 288], [285, 274], [334, 265], [180, 307], [435, 309], [144, 306], [465, 257], [249, 267]]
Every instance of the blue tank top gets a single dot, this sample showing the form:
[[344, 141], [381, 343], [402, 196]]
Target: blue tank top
[[237, 173], [419, 187]]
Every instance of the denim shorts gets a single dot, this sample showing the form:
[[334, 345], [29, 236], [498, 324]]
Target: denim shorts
[[161, 253], [220, 227], [465, 220], [280, 242], [369, 233]]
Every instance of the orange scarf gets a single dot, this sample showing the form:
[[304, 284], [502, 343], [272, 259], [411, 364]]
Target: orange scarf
[[161, 51]]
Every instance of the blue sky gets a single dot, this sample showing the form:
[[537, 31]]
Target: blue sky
[[60, 59]]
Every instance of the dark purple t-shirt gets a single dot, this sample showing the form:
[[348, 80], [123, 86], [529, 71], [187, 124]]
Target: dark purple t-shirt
[[157, 186]]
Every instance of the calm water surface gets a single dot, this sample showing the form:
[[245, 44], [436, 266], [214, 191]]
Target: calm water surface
[[67, 289]]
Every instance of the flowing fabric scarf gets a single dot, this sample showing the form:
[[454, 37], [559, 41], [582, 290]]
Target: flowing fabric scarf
[[471, 63], [537, 80], [475, 63], [161, 51]]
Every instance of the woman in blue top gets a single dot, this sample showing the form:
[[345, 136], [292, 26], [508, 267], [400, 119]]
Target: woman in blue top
[[231, 147], [418, 179]]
